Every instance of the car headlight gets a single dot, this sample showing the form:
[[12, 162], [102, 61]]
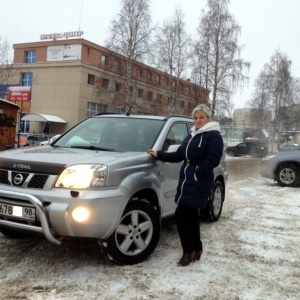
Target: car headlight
[[82, 176]]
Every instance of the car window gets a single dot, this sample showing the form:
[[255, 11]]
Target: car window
[[241, 145], [176, 135], [289, 147]]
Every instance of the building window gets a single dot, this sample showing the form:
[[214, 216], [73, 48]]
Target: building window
[[104, 60], [91, 79], [167, 81], [158, 79], [118, 87], [140, 93], [149, 76], [187, 90], [27, 79], [140, 72], [131, 90], [88, 51], [105, 83], [158, 98], [150, 96], [30, 57], [117, 64], [182, 104], [95, 108]]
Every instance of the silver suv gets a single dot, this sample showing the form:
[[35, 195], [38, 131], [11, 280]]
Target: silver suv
[[97, 181], [283, 167]]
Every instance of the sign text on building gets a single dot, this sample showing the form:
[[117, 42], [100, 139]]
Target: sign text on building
[[64, 35], [19, 93]]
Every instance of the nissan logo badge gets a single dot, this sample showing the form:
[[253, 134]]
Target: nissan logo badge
[[18, 179]]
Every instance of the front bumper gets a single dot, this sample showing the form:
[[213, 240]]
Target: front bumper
[[267, 169], [54, 212]]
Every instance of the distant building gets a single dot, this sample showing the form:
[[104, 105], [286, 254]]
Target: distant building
[[72, 79], [250, 117]]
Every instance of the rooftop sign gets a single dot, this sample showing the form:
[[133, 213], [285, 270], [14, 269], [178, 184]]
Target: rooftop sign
[[64, 35]]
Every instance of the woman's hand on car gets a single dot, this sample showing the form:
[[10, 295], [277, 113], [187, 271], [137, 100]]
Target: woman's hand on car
[[152, 152]]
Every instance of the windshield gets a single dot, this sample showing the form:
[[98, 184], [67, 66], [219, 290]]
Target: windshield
[[112, 134]]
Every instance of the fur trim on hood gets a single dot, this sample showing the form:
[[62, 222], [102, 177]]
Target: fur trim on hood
[[210, 126]]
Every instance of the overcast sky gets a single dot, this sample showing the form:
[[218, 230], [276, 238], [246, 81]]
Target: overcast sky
[[267, 25]]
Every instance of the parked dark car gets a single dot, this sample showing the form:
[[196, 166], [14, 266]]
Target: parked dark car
[[33, 140], [254, 148], [283, 167]]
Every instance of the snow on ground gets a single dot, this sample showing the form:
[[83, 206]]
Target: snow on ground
[[252, 252]]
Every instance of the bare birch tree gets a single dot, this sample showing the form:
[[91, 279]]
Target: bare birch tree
[[220, 66], [172, 56], [276, 89], [6, 66], [281, 79], [129, 36], [261, 99], [295, 107]]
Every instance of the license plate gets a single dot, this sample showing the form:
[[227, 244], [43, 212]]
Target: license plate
[[20, 212]]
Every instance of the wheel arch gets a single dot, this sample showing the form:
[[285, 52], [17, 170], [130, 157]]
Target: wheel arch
[[222, 181], [295, 167], [286, 162], [151, 197]]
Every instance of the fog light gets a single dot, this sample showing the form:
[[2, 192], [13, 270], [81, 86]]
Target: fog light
[[80, 214]]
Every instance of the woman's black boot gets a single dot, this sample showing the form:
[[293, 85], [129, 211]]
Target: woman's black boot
[[186, 259]]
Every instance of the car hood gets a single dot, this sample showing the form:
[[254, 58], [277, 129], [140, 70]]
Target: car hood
[[285, 155], [51, 160]]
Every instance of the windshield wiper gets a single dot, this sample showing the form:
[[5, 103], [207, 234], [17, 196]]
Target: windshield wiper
[[92, 148]]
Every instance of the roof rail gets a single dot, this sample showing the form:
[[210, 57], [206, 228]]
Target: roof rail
[[106, 113], [175, 115]]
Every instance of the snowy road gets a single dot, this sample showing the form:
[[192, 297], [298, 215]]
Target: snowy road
[[252, 252]]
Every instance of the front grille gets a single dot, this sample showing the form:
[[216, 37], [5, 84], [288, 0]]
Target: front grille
[[38, 181], [4, 176], [23, 179]]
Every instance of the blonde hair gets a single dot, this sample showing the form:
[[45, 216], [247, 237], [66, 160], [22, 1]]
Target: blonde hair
[[204, 108]]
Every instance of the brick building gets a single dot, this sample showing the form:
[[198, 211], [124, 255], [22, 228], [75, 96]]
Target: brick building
[[72, 79]]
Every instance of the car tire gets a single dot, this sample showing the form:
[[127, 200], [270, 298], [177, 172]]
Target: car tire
[[215, 202], [288, 175], [11, 234], [137, 234]]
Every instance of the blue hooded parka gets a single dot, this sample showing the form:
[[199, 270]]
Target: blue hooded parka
[[201, 152]]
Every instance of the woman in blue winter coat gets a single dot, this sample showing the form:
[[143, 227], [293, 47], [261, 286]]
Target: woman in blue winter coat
[[201, 152]]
